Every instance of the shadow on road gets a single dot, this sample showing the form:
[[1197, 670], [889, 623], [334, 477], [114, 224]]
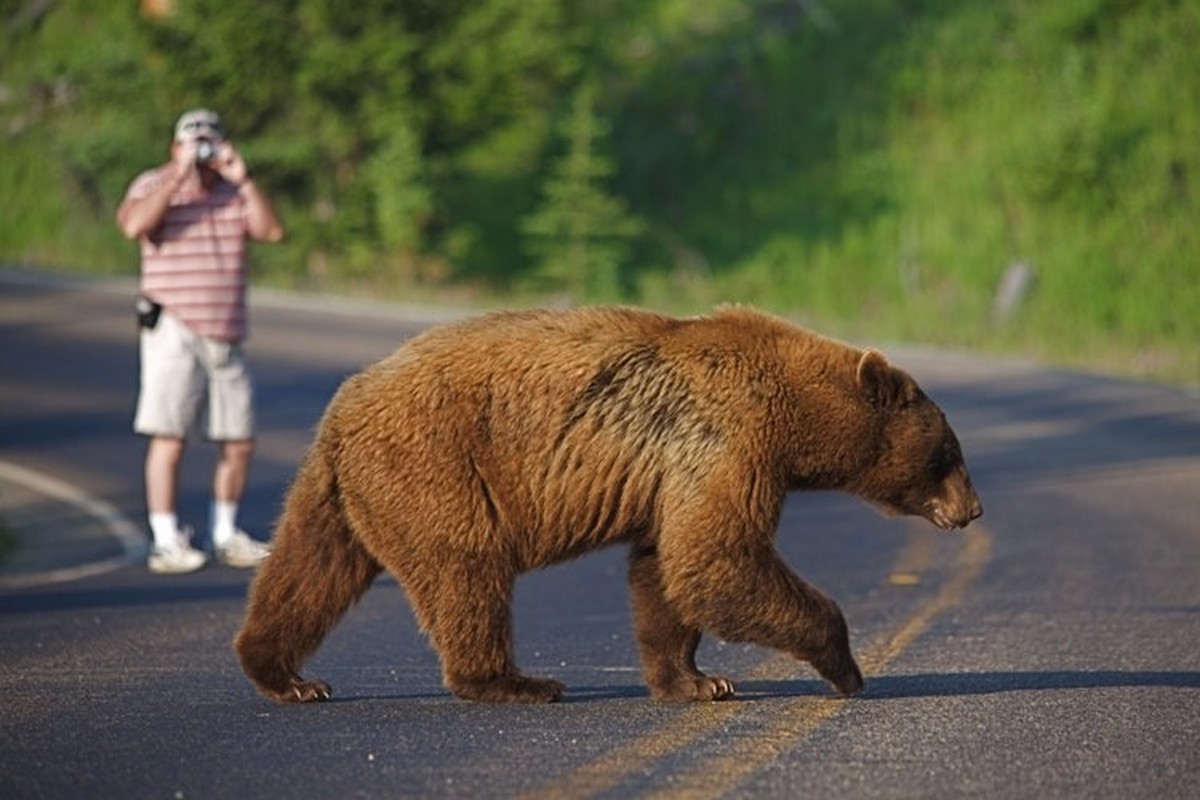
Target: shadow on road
[[889, 687], [171, 590], [896, 687]]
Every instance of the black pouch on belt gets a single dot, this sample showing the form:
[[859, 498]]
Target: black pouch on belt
[[148, 312]]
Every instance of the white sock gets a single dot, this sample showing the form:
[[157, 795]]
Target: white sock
[[224, 521], [164, 526]]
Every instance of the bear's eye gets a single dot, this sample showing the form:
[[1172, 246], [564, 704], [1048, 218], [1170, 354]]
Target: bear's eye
[[912, 397]]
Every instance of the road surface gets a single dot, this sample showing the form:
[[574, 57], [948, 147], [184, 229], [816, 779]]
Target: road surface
[[1051, 651]]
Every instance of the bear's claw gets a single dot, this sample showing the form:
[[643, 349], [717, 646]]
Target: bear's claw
[[702, 688], [717, 689], [303, 691]]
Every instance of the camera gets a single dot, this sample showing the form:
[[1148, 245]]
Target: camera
[[206, 151]]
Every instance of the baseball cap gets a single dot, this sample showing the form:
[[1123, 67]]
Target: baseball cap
[[199, 123]]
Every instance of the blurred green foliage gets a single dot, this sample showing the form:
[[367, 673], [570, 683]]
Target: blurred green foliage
[[581, 235], [872, 167]]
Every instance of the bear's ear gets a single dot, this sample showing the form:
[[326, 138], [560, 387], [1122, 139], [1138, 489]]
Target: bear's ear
[[877, 379]]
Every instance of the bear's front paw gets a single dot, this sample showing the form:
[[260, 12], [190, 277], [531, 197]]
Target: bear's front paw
[[842, 672], [509, 689], [700, 687], [836, 665], [849, 684]]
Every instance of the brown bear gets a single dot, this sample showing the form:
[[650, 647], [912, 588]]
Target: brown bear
[[486, 448]]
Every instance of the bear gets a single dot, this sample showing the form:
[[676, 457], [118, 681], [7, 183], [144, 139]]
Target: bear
[[484, 448]]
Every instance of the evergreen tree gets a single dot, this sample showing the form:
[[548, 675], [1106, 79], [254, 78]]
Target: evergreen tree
[[581, 235], [402, 199]]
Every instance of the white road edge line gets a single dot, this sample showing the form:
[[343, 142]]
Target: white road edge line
[[133, 542]]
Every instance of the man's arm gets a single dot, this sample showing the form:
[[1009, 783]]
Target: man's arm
[[261, 220], [138, 216]]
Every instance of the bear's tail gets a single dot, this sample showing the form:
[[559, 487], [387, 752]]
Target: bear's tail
[[315, 572]]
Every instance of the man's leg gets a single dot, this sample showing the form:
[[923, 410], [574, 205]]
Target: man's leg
[[170, 394], [233, 468], [173, 551], [233, 546], [163, 456]]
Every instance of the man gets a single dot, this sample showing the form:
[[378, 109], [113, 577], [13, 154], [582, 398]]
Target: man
[[192, 217]]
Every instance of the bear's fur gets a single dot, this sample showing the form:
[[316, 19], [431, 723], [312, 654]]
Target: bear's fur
[[483, 449]]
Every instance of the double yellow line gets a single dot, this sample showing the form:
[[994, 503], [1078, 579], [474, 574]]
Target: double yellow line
[[791, 720]]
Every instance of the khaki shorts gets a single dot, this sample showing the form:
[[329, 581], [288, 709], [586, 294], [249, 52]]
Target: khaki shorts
[[193, 385]]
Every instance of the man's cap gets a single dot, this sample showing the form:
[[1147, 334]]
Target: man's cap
[[199, 123]]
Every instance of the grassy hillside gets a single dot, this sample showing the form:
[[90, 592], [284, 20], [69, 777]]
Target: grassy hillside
[[879, 173], [871, 167]]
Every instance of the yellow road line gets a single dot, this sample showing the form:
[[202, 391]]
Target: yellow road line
[[918, 553], [797, 718], [967, 567], [794, 719]]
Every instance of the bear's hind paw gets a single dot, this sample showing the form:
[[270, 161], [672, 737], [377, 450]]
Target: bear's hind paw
[[302, 691], [701, 688], [509, 689]]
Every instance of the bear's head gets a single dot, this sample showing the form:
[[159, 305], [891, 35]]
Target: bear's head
[[919, 469]]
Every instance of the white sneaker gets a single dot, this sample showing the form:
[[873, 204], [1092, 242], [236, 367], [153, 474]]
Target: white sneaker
[[240, 550], [177, 558]]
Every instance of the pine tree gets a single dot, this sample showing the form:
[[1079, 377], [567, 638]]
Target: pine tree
[[581, 234]]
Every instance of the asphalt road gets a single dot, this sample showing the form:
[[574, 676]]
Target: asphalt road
[[1051, 651]]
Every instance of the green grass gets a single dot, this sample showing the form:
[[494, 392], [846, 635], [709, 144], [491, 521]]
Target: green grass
[[881, 179]]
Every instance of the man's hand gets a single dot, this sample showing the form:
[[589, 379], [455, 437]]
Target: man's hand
[[228, 163], [183, 156]]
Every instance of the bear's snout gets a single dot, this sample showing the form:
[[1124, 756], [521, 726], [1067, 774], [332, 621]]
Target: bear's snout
[[956, 509]]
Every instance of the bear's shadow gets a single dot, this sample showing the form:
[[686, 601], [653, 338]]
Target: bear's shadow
[[898, 687], [885, 687]]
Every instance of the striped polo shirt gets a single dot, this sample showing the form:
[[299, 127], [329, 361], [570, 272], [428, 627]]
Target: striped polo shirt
[[194, 262]]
